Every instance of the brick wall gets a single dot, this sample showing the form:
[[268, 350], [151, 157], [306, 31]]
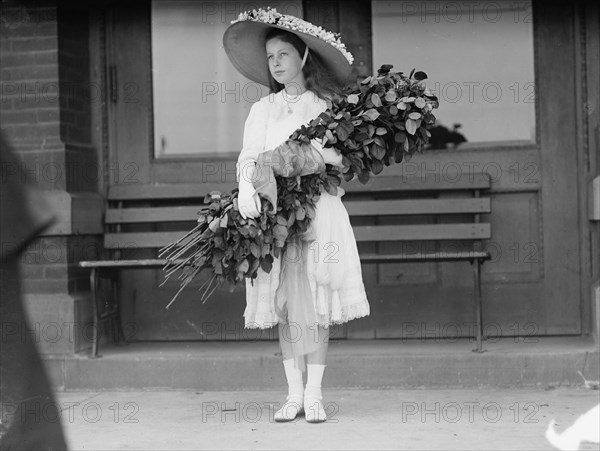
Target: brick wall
[[48, 264], [47, 94], [45, 115], [29, 107]]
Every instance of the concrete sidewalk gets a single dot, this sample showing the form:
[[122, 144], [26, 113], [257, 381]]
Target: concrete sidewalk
[[458, 419]]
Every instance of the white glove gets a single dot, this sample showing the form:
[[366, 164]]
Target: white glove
[[248, 199], [329, 154]]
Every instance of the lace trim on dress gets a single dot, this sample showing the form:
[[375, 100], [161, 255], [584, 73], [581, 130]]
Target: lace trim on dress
[[261, 322], [347, 313]]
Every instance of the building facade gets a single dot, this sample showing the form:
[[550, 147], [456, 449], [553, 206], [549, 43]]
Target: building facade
[[103, 94]]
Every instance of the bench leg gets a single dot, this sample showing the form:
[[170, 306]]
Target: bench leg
[[478, 308], [96, 311], [99, 318], [118, 334]]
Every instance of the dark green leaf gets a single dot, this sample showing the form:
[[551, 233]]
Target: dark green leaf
[[398, 154], [363, 176], [411, 126], [331, 189], [371, 114], [291, 219], [377, 151], [419, 75], [266, 263], [376, 166], [376, 100], [244, 266], [384, 69], [399, 137]]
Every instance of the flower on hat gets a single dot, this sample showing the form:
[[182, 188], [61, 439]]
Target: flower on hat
[[271, 16]]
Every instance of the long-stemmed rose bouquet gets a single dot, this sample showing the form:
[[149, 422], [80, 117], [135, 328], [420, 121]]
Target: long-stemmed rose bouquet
[[373, 123]]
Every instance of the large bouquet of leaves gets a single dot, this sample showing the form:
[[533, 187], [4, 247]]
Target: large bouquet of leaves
[[376, 122]]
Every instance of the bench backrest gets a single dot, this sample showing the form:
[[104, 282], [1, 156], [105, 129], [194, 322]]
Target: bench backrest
[[154, 216], [423, 202]]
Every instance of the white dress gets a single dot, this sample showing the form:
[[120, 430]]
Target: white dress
[[333, 263]]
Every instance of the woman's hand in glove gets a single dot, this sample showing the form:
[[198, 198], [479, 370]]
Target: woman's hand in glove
[[330, 155], [248, 199]]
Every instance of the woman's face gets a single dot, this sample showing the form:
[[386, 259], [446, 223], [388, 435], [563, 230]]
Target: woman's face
[[285, 64]]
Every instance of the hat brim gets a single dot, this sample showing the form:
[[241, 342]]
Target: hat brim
[[244, 43]]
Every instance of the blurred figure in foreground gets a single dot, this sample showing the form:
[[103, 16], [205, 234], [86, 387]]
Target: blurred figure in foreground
[[29, 415]]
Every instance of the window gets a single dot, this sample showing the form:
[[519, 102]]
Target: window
[[479, 59], [200, 101]]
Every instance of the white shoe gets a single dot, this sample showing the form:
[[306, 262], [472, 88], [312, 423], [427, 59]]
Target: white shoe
[[313, 409], [290, 409]]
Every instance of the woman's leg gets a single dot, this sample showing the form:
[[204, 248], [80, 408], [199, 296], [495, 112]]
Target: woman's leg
[[313, 407], [320, 355], [284, 342], [294, 377]]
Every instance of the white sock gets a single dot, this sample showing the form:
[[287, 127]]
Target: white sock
[[314, 377], [294, 378]]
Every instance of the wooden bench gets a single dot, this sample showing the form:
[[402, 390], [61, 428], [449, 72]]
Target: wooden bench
[[438, 197], [133, 220], [134, 213]]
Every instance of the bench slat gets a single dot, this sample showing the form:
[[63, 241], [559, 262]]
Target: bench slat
[[434, 232], [167, 190], [432, 182], [422, 257], [152, 214], [140, 240], [364, 258], [148, 263], [425, 182], [355, 208], [418, 206]]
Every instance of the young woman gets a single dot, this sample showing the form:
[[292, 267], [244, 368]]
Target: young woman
[[302, 65]]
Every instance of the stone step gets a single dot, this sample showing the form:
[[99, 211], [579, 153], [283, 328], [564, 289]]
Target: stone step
[[507, 362]]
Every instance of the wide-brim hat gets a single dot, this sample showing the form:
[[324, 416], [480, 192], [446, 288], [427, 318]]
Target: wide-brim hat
[[244, 43]]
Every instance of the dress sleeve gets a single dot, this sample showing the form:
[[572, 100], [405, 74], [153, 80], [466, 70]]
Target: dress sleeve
[[255, 135]]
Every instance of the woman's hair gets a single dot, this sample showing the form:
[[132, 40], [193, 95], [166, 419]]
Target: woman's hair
[[318, 78]]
